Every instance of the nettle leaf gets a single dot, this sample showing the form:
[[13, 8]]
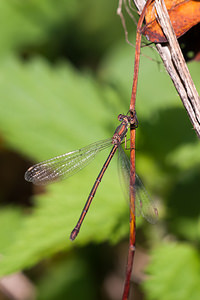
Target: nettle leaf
[[173, 273], [45, 112]]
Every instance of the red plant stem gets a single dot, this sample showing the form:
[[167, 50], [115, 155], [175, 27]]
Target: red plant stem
[[132, 234], [137, 55], [131, 251]]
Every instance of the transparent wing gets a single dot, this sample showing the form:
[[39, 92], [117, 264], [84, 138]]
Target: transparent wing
[[144, 204], [65, 165], [124, 176]]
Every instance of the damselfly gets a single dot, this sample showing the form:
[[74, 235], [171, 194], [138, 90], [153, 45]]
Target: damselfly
[[66, 165]]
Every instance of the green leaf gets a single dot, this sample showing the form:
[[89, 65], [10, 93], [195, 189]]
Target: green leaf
[[9, 217], [183, 206], [119, 61], [46, 112], [31, 22], [173, 273], [151, 98], [56, 29]]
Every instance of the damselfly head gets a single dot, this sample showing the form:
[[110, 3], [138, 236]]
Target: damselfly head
[[132, 119], [121, 117]]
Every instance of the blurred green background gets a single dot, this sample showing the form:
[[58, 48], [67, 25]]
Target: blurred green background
[[65, 74]]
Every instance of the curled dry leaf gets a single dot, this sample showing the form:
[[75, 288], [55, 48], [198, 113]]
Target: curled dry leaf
[[183, 14]]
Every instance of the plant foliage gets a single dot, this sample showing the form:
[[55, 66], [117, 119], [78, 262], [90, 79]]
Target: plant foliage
[[66, 73]]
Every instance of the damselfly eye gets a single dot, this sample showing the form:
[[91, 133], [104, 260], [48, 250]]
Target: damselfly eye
[[120, 117]]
